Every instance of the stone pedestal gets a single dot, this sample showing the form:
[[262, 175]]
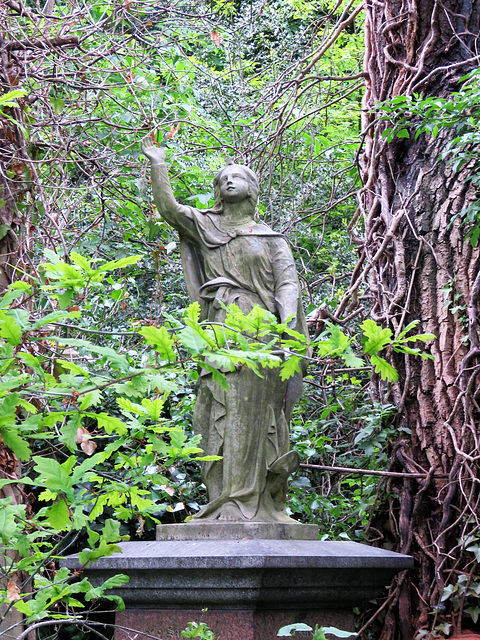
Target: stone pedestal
[[250, 587], [208, 530]]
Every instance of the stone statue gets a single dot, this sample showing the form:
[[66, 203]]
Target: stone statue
[[228, 258]]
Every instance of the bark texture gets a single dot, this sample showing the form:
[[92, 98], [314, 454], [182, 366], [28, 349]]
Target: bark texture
[[416, 261]]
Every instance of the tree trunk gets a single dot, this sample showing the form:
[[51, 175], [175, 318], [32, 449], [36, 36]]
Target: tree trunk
[[418, 262]]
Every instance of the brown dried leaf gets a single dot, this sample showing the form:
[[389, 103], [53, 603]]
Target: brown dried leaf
[[216, 38], [81, 431], [88, 447], [141, 526], [13, 592]]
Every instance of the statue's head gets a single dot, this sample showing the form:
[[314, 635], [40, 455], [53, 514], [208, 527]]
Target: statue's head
[[246, 175]]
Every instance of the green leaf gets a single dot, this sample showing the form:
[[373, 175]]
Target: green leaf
[[56, 315], [338, 339], [73, 368], [80, 260], [111, 424], [17, 444], [58, 105], [193, 312], [119, 264], [15, 290], [374, 337], [90, 398], [52, 474], [58, 515], [290, 367], [154, 407], [9, 329], [160, 340], [351, 360], [192, 340], [127, 405], [68, 431], [115, 358], [386, 371], [408, 328]]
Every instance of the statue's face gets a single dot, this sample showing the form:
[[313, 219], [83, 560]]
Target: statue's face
[[233, 184]]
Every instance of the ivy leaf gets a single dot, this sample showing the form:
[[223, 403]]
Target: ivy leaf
[[386, 371]]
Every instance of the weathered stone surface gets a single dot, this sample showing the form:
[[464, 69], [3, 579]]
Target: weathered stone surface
[[235, 574], [198, 530], [227, 259], [250, 588], [226, 624]]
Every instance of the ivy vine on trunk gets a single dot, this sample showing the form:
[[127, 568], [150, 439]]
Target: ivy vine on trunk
[[419, 266]]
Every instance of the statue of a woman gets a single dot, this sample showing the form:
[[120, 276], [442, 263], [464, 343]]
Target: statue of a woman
[[228, 258]]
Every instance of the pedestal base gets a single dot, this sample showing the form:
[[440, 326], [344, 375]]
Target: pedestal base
[[250, 588], [226, 624], [205, 530]]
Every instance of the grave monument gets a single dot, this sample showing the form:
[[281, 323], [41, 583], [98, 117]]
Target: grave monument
[[241, 558]]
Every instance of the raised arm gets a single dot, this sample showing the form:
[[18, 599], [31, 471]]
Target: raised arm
[[171, 211]]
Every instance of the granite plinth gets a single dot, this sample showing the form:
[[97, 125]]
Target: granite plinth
[[225, 624], [237, 531], [258, 574]]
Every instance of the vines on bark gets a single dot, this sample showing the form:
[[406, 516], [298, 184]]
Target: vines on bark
[[418, 266]]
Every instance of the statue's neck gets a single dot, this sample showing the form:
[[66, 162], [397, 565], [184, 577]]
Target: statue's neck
[[237, 213]]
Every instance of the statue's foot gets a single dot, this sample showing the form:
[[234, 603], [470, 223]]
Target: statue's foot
[[229, 512]]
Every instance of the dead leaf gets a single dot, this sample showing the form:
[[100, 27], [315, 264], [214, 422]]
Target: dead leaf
[[216, 38], [83, 438], [88, 447], [141, 526], [168, 489], [13, 592], [173, 131]]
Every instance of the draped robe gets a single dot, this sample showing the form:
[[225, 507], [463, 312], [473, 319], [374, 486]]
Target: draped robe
[[247, 264]]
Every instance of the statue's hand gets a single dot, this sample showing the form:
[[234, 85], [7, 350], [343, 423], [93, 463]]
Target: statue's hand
[[154, 154]]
